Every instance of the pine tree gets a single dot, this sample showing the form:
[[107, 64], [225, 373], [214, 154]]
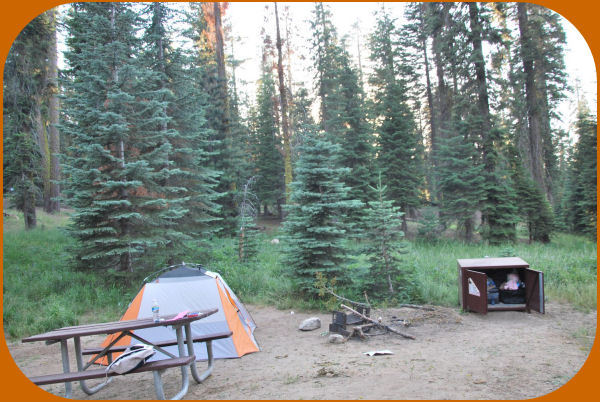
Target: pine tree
[[285, 120], [461, 180], [498, 209], [47, 114], [268, 160], [24, 87], [533, 207], [314, 227], [341, 96], [300, 113], [21, 173], [582, 196], [186, 183], [224, 152], [429, 225], [398, 150], [417, 33], [385, 245], [117, 152], [541, 43], [356, 150]]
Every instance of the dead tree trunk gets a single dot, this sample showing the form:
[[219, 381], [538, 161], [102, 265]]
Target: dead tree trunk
[[285, 125]]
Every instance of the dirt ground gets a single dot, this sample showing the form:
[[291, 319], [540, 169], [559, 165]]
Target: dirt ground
[[503, 355]]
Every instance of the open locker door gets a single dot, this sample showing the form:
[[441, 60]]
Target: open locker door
[[534, 289], [475, 285]]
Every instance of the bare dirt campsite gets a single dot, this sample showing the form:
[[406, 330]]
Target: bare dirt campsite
[[501, 355]]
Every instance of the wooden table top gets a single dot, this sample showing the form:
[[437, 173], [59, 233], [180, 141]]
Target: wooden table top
[[114, 327], [503, 262]]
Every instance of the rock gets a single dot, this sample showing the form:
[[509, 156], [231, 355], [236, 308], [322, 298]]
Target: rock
[[310, 324], [275, 241], [336, 338]]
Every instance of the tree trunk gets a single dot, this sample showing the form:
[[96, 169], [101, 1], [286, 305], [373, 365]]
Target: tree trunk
[[221, 73], [29, 214], [125, 264], [483, 104], [323, 89], [433, 137], [404, 226], [41, 132], [44, 147], [356, 27], [288, 51], [535, 151], [468, 229], [386, 261], [287, 150], [444, 97], [223, 92], [432, 120], [53, 109], [219, 43]]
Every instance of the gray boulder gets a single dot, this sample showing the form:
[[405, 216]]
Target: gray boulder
[[336, 338], [310, 324]]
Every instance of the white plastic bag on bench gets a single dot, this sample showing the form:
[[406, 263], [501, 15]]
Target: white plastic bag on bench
[[133, 357]]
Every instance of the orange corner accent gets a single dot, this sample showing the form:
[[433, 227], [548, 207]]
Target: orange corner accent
[[241, 340]]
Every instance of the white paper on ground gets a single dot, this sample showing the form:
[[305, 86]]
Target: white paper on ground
[[379, 353]]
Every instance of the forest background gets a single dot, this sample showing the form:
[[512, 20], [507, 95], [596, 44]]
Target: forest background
[[441, 123]]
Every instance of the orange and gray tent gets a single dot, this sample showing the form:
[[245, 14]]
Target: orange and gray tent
[[193, 288]]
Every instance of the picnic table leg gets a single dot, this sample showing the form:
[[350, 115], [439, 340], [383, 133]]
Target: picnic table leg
[[79, 358], [190, 344], [158, 387], [64, 351]]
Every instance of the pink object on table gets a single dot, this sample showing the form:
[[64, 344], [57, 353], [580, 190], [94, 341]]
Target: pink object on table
[[180, 315]]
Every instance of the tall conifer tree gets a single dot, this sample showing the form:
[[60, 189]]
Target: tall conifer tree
[[398, 148], [268, 160], [342, 110], [460, 179], [117, 147], [384, 248], [23, 88], [224, 149], [315, 225], [581, 196], [186, 182]]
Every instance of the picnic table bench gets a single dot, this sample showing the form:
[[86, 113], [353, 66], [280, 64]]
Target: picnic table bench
[[122, 329], [157, 368]]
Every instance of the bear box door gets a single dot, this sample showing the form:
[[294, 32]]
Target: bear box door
[[475, 284], [534, 290]]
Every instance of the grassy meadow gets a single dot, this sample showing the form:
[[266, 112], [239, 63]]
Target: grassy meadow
[[42, 292]]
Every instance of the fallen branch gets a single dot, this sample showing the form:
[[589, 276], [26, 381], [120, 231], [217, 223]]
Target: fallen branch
[[416, 306], [377, 323], [347, 300]]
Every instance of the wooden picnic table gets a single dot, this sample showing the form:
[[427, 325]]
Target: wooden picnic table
[[122, 329]]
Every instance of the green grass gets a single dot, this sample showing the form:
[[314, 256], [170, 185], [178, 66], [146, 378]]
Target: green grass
[[568, 263], [41, 292]]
